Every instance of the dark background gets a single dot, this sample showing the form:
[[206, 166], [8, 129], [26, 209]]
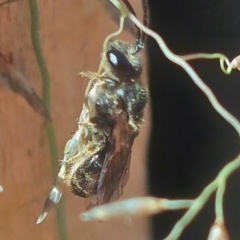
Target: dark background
[[190, 142]]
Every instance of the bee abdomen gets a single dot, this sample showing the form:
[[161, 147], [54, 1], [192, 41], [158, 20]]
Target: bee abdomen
[[83, 184], [84, 181]]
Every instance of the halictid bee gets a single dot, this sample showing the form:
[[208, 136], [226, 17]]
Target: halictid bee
[[97, 157]]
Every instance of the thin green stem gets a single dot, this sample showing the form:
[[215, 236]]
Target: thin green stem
[[221, 179], [192, 212], [219, 202], [62, 233], [107, 39], [222, 58], [202, 199], [177, 204], [189, 70], [228, 169]]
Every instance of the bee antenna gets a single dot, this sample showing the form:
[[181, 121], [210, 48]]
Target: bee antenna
[[145, 19], [140, 36]]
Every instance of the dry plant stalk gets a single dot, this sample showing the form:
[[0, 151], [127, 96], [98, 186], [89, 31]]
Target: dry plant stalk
[[7, 2], [14, 80], [151, 205]]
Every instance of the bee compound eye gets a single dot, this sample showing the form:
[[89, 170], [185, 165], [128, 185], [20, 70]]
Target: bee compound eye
[[121, 65]]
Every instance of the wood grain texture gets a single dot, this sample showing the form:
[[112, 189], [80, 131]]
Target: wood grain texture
[[71, 35]]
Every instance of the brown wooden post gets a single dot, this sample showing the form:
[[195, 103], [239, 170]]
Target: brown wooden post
[[71, 36]]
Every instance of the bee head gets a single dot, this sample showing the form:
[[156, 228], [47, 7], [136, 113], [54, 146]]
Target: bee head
[[122, 61]]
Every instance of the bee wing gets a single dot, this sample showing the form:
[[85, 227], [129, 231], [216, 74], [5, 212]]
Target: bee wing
[[114, 186], [54, 195], [70, 151], [115, 170]]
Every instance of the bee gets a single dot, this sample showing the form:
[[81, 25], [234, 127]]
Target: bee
[[97, 158]]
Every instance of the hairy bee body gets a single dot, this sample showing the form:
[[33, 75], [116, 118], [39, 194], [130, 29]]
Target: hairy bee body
[[97, 158], [109, 96]]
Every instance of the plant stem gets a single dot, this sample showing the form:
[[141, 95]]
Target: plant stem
[[62, 233]]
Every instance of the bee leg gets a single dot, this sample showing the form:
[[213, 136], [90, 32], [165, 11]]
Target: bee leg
[[55, 194], [89, 74], [92, 75], [133, 125]]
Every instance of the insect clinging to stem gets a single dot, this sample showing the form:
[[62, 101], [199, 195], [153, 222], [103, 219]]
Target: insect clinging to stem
[[97, 158]]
